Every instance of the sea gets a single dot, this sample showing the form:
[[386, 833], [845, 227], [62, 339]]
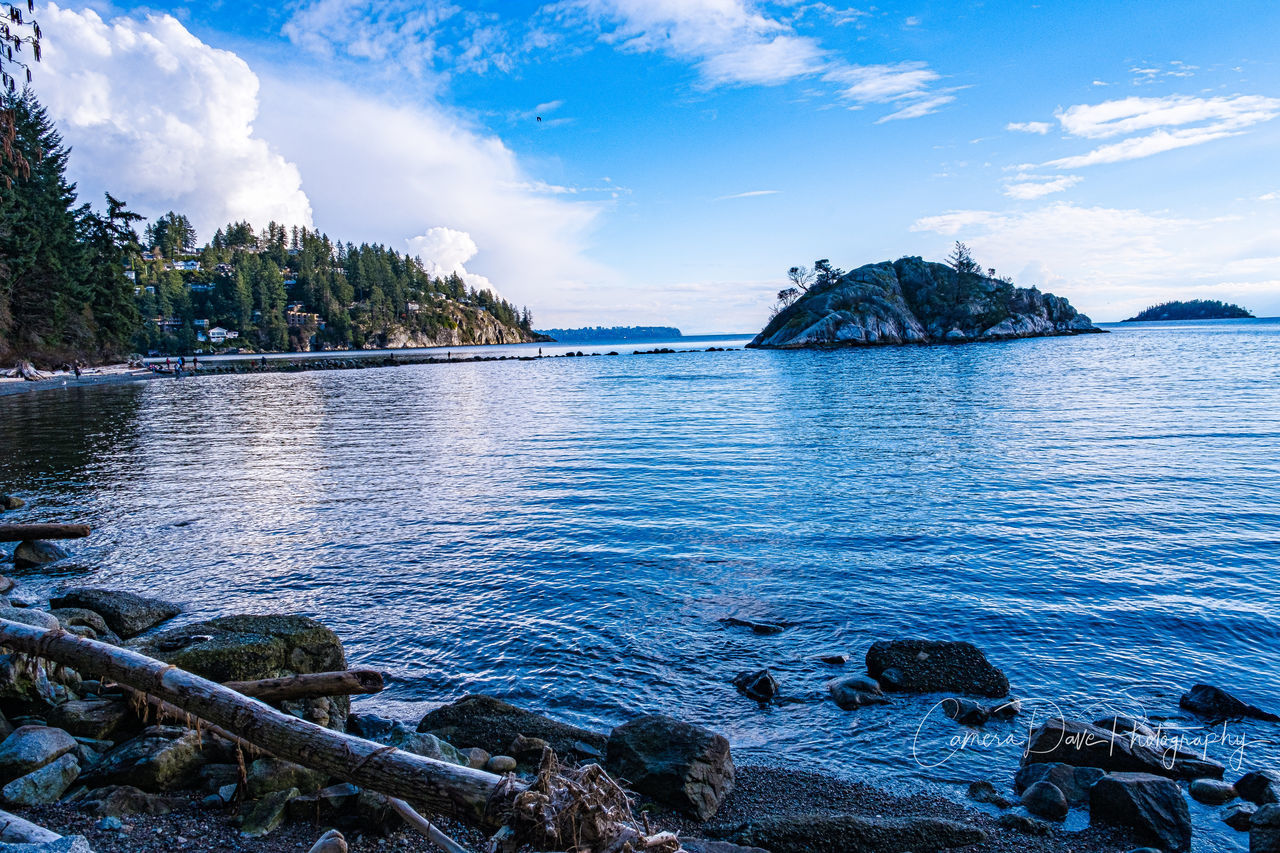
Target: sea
[[1100, 514]]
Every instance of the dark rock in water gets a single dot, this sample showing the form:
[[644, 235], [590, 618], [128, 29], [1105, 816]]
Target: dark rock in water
[[856, 691], [1072, 742], [926, 666], [28, 555], [11, 502], [760, 685], [985, 792], [492, 725], [1126, 726], [98, 719], [835, 660], [756, 627], [1240, 816], [119, 800], [162, 758], [30, 748], [1212, 792], [1209, 701], [676, 763], [966, 712], [85, 623], [1044, 799], [125, 613], [1259, 787], [1264, 830], [910, 301], [1153, 806], [1073, 782], [849, 833]]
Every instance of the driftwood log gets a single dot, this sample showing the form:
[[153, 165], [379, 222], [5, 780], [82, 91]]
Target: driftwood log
[[26, 370], [32, 532], [351, 682]]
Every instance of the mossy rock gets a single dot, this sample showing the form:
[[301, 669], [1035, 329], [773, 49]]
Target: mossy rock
[[246, 648]]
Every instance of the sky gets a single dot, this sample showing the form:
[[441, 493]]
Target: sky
[[664, 162]]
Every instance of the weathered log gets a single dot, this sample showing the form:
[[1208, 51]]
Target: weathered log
[[16, 830], [424, 827], [311, 685], [26, 370], [32, 532], [447, 789]]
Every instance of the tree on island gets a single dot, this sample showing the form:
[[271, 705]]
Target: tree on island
[[1194, 309], [961, 260]]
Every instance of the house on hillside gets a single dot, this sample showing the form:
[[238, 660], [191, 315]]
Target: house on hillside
[[185, 266], [218, 335]]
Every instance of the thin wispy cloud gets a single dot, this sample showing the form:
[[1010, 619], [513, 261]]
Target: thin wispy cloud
[[1040, 127], [748, 194], [1028, 187]]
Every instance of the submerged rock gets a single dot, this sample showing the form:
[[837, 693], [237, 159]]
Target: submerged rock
[[1259, 787], [1264, 830], [492, 725], [756, 627], [760, 685], [675, 762], [125, 613], [1209, 701], [911, 301], [1153, 806], [1083, 745], [856, 691], [1212, 792], [28, 555], [848, 833], [927, 666]]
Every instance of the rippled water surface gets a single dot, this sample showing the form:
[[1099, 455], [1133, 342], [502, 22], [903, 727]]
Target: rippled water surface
[[1100, 514]]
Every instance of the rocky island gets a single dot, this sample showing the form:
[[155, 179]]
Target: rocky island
[[1194, 309], [913, 301]]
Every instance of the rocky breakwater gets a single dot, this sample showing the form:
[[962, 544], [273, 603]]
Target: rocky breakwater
[[912, 301]]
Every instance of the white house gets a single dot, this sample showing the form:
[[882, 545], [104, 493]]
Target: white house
[[188, 266], [219, 335]]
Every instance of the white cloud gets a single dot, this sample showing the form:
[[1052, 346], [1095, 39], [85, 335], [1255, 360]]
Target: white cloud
[[1272, 196], [748, 194], [1113, 262], [163, 120], [1040, 127], [1028, 187], [1164, 124], [444, 251]]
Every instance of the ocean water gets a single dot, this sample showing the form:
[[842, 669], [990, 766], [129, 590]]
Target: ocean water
[[1100, 514]]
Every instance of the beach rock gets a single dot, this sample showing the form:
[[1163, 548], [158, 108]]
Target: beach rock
[[43, 786], [1264, 830], [1044, 799], [1212, 792], [676, 763], [125, 613], [30, 748], [97, 719], [492, 725], [266, 815], [1153, 806], [1126, 726], [28, 555], [759, 685], [162, 758], [1025, 824], [501, 764], [397, 734], [764, 628], [700, 845], [119, 800], [985, 792], [85, 623], [1072, 742], [30, 685], [476, 757], [910, 301], [11, 502], [848, 833], [269, 775], [6, 584], [1073, 782], [214, 776], [65, 844], [856, 691], [1209, 701], [331, 842], [1259, 787], [835, 660], [965, 711], [1240, 816], [27, 616], [925, 666]]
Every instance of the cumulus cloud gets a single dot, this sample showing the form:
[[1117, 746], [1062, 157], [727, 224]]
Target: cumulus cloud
[[163, 120], [444, 251], [1113, 262], [1040, 127]]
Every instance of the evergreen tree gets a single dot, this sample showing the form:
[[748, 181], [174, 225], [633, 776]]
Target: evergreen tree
[[110, 244]]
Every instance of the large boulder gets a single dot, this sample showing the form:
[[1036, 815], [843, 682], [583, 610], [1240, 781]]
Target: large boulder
[[42, 786], [1085, 745], [929, 666], [1264, 830], [1046, 800], [30, 748], [848, 833], [1259, 787], [85, 623], [1212, 792], [125, 613], [96, 719], [1209, 701], [28, 616], [675, 762], [493, 725], [1074, 782], [402, 737], [269, 775], [1152, 806], [29, 555], [162, 758]]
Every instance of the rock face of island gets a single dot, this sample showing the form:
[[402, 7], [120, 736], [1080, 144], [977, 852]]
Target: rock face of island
[[913, 301], [1195, 309]]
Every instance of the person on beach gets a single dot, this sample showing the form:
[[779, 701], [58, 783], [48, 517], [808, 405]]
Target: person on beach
[[76, 368], [167, 365], [195, 363]]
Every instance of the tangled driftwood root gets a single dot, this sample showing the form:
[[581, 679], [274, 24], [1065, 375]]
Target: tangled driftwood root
[[578, 809], [25, 370]]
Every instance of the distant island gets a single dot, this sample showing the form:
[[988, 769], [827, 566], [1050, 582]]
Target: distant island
[[912, 301], [1195, 309], [612, 333]]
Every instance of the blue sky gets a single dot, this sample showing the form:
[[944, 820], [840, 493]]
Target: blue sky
[[1118, 154]]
